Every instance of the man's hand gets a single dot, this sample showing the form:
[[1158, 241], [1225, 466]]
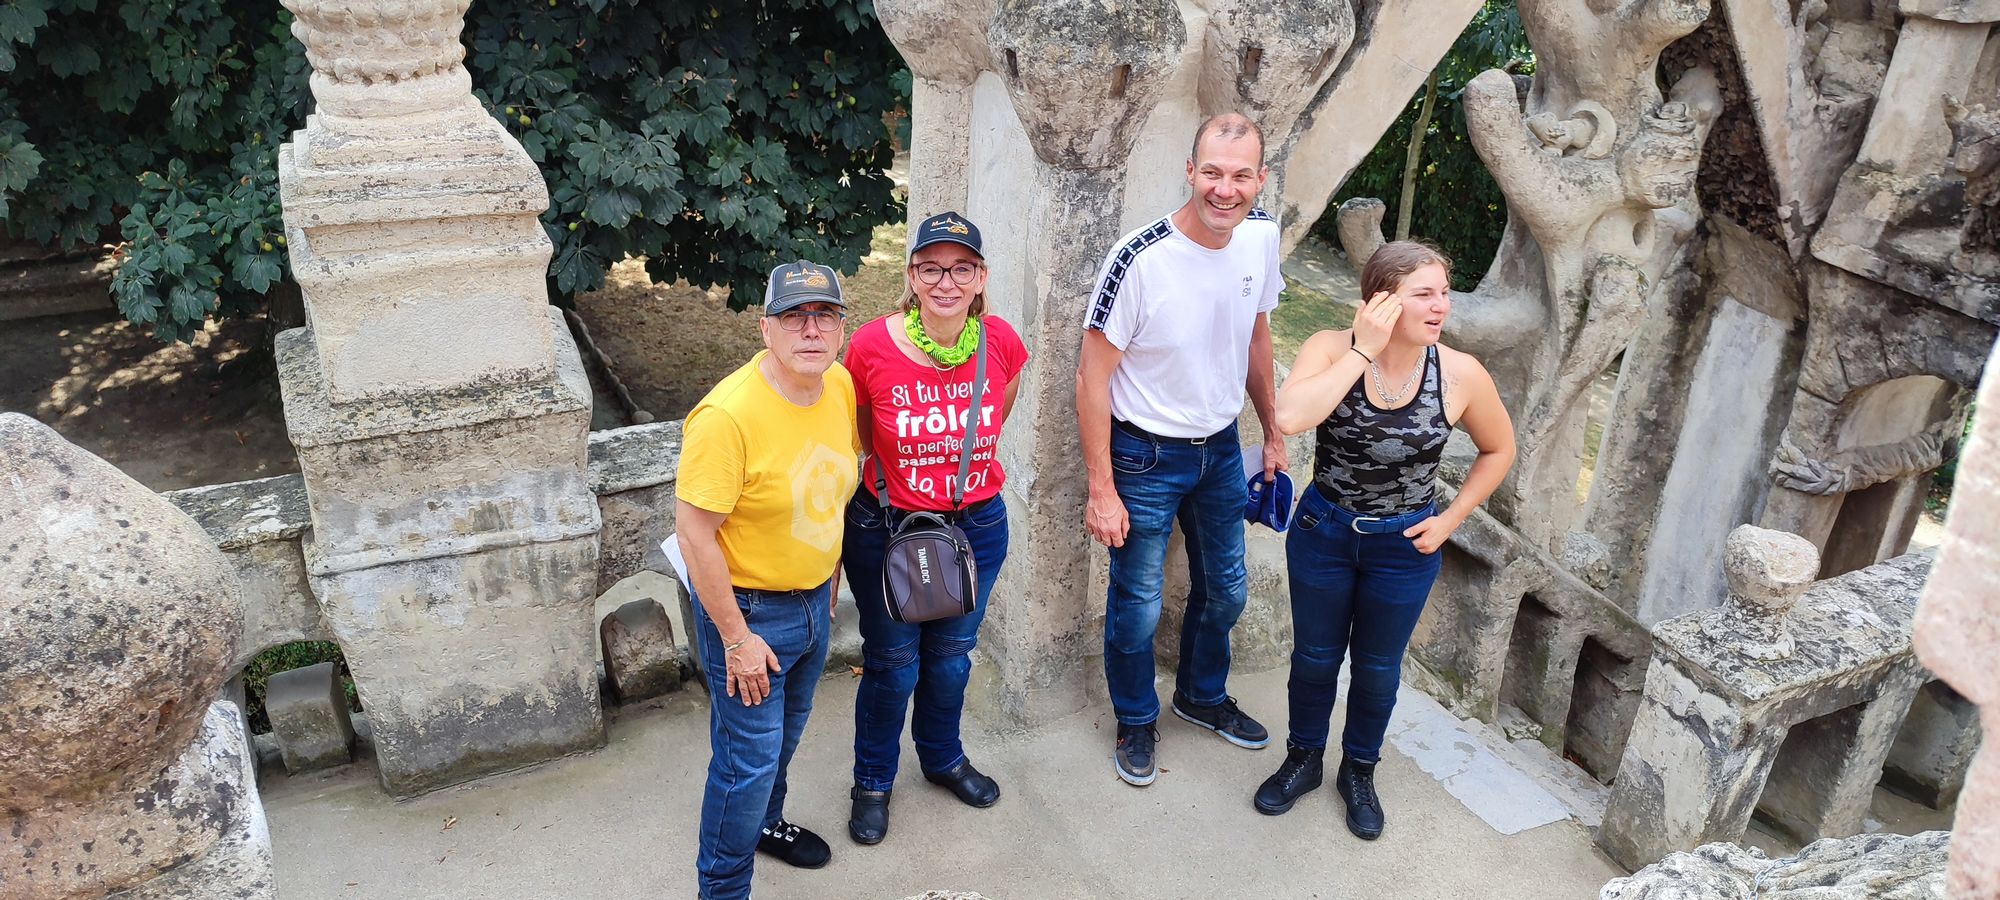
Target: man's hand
[[1104, 517], [1431, 533], [750, 666], [1274, 458], [1376, 321]]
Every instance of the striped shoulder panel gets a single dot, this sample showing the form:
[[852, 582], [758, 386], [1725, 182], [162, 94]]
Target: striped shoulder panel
[[1257, 213], [1114, 275]]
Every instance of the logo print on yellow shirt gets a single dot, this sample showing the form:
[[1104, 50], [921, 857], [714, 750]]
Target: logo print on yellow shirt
[[817, 495]]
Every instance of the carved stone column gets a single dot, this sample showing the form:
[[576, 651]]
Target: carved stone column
[[122, 775], [438, 405]]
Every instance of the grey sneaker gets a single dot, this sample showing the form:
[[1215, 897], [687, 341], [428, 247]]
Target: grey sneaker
[[1224, 719], [1134, 756]]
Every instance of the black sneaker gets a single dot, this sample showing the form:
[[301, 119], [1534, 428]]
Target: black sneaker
[[1224, 719], [1356, 783], [1297, 776], [1134, 756], [794, 845]]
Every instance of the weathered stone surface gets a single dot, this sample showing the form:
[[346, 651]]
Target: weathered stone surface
[[1958, 635], [947, 895], [439, 406], [1866, 867], [309, 718], [1935, 748], [1718, 713], [1767, 572], [258, 525], [123, 618], [635, 457], [640, 656], [635, 524], [238, 865]]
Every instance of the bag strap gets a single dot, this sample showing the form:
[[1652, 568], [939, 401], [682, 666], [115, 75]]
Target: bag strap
[[971, 422]]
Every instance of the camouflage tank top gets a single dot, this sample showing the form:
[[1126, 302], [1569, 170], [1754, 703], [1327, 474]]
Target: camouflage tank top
[[1383, 462]]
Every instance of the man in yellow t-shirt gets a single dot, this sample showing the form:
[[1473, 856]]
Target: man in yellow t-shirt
[[768, 461]]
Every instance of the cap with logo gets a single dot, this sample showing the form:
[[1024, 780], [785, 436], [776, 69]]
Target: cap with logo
[[796, 284], [946, 227]]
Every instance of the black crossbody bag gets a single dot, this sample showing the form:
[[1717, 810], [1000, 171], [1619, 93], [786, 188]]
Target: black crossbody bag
[[927, 570]]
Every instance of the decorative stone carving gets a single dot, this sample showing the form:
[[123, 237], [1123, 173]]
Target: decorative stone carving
[[438, 405], [122, 621], [1268, 58], [1720, 711], [1767, 572], [1958, 635], [1864, 867], [374, 58]]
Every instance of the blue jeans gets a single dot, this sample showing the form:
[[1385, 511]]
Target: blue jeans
[[1205, 486], [927, 660], [750, 746], [1353, 594]]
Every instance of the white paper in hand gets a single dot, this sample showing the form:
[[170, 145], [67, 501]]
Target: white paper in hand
[[672, 548]]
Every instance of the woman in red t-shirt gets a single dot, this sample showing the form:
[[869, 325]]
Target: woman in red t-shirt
[[913, 376]]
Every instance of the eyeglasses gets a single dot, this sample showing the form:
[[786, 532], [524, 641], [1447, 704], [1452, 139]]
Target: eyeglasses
[[824, 320], [932, 273]]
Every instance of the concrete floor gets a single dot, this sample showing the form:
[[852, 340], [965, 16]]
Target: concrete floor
[[620, 823]]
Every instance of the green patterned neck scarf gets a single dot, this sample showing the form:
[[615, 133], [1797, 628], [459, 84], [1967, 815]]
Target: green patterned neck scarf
[[968, 340]]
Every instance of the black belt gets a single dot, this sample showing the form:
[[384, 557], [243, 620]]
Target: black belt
[[1143, 434], [763, 594]]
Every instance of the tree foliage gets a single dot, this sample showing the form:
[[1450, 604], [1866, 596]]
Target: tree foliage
[[716, 138], [1458, 206]]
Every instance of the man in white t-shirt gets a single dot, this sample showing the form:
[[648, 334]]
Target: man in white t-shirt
[[1177, 331]]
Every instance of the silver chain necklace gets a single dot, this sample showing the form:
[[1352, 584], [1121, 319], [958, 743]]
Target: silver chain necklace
[[1383, 389]]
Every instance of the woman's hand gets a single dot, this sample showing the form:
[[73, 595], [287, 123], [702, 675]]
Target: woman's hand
[[1431, 533], [1376, 320]]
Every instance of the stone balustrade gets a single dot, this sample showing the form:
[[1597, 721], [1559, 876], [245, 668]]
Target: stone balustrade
[[259, 526]]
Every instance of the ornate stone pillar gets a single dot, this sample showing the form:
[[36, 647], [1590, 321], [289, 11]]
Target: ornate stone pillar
[[438, 405], [123, 774]]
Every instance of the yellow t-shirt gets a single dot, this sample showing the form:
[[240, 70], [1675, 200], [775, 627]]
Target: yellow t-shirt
[[781, 473]]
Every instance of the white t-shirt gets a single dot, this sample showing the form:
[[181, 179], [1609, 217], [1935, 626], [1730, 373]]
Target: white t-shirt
[[1183, 314]]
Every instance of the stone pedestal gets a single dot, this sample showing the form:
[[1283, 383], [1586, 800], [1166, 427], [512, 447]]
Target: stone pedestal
[[439, 407], [1718, 712]]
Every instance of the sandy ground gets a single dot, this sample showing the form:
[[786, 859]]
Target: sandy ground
[[621, 823], [170, 415]]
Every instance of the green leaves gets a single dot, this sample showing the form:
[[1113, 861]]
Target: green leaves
[[715, 139], [1458, 206]]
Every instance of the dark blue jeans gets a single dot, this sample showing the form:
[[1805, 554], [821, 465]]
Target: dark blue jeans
[[1355, 593], [750, 746], [1204, 485], [927, 660]]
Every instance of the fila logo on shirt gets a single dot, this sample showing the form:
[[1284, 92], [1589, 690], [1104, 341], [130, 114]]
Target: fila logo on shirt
[[1247, 279]]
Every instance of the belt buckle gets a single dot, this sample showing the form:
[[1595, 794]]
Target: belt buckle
[[1355, 523], [1196, 442]]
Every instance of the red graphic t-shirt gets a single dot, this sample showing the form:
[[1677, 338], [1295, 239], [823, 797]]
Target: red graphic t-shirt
[[917, 414]]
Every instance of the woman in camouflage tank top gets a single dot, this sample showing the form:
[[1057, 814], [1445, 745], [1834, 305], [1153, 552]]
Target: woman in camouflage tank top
[[1383, 397]]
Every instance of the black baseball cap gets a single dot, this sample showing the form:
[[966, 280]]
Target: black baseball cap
[[946, 226], [796, 284]]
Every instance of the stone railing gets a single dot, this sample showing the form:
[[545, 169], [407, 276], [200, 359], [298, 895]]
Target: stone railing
[[261, 528], [1785, 700]]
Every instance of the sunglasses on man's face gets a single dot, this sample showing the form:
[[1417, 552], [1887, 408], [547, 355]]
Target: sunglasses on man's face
[[822, 320]]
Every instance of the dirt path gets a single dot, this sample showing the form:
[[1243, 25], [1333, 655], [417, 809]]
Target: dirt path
[[170, 415]]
